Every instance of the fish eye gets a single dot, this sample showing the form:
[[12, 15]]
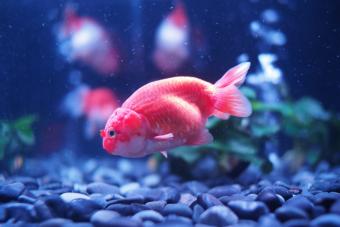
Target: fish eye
[[111, 133]]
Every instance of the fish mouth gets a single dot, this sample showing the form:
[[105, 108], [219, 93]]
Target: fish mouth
[[109, 145], [102, 133]]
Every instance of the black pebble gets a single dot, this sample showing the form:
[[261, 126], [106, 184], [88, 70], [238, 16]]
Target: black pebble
[[11, 191], [327, 220], [286, 213], [82, 209], [178, 209], [206, 200], [270, 198], [301, 202], [248, 209]]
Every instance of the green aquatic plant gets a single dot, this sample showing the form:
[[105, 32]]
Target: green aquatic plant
[[15, 138], [313, 132]]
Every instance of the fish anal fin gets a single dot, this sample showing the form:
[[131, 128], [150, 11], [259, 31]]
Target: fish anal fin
[[164, 137], [203, 138], [221, 115], [164, 153]]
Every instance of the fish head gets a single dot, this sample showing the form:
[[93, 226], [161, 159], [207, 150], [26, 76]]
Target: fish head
[[125, 133]]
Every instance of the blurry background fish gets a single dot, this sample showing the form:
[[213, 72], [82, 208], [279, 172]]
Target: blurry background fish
[[96, 105], [83, 39], [172, 47]]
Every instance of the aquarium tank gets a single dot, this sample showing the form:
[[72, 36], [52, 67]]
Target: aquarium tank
[[170, 113]]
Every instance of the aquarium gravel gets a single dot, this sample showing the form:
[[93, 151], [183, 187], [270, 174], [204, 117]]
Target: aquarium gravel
[[126, 193]]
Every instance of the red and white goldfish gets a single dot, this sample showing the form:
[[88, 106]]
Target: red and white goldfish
[[172, 41], [95, 104], [172, 112], [83, 39]]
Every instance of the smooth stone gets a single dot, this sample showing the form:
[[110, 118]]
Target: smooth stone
[[336, 208], [226, 199], [127, 209], [2, 213], [281, 190], [194, 187], [149, 215], [151, 180], [187, 199], [52, 185], [103, 218], [147, 193], [102, 188], [206, 200], [297, 223], [178, 209], [327, 220], [42, 210], [327, 185], [133, 199], [301, 202], [248, 209], [245, 223], [70, 196], [129, 187], [286, 213], [29, 182], [169, 194], [11, 191], [82, 209], [218, 216], [105, 174], [78, 224], [269, 220], [99, 199], [326, 199], [40, 193], [26, 199], [62, 190], [251, 175], [178, 220], [318, 211], [57, 206], [55, 222], [270, 199], [111, 197], [156, 205], [226, 190], [125, 222], [197, 211], [20, 211]]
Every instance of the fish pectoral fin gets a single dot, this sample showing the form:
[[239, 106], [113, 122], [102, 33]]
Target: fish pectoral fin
[[164, 153], [203, 138], [164, 137]]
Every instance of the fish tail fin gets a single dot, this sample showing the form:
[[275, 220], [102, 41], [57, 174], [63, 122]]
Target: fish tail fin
[[228, 99]]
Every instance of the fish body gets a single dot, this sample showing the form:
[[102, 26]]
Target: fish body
[[172, 112]]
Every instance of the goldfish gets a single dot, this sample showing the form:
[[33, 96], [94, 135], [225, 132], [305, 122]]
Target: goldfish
[[172, 112], [84, 40], [172, 40], [96, 105]]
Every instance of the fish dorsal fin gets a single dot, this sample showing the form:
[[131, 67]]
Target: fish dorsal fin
[[203, 138], [164, 137], [164, 153]]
